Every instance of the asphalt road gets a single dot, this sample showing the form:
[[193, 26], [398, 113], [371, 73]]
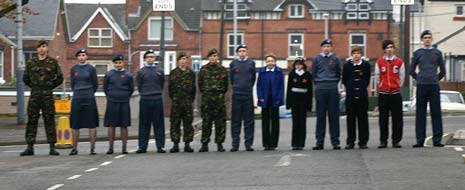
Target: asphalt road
[[386, 169]]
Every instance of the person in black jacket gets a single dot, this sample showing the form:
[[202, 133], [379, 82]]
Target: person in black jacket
[[299, 100], [356, 78]]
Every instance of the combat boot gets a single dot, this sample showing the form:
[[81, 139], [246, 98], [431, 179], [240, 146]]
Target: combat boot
[[53, 151], [29, 150], [220, 147], [204, 147], [175, 148], [187, 148]]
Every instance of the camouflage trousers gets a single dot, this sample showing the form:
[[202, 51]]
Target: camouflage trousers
[[181, 111], [213, 111], [45, 104]]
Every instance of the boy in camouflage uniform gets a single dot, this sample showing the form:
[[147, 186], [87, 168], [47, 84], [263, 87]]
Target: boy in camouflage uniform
[[182, 93], [213, 84], [42, 75]]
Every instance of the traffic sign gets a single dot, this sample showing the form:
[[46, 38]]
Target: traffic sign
[[402, 2], [163, 5]]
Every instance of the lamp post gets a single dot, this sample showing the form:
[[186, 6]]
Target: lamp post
[[326, 17]]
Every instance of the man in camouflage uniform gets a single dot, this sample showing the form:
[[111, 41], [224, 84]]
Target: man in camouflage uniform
[[213, 84], [42, 75], [182, 93]]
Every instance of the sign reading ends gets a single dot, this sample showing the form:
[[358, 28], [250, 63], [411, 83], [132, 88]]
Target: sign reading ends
[[402, 2], [163, 5]]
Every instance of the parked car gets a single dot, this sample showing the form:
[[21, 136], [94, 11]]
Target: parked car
[[450, 101]]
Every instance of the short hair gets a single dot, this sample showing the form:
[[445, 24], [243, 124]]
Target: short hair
[[356, 49], [388, 42], [270, 55]]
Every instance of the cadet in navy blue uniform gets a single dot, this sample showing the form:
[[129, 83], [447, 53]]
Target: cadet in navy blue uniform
[[118, 86], [84, 112], [270, 93], [242, 80], [299, 100], [356, 78], [326, 70], [150, 81], [428, 59]]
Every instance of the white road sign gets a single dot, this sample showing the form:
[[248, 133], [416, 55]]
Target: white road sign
[[163, 5], [402, 2]]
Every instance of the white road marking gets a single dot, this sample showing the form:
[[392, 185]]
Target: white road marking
[[91, 169], [12, 151], [55, 186], [284, 161], [106, 163], [120, 156], [74, 177], [458, 149]]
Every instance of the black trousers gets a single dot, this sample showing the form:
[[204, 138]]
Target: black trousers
[[390, 104], [357, 113], [299, 122], [270, 127]]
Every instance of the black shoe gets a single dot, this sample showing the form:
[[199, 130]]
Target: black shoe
[[187, 148], [110, 151], [53, 152], [298, 148], [266, 148], [160, 150], [124, 152], [318, 147], [383, 145], [140, 151], [418, 146], [336, 147], [363, 146], [92, 152], [349, 146], [175, 148], [438, 145], [396, 145], [28, 152], [220, 147], [271, 149], [204, 148], [234, 149], [249, 148], [73, 152]]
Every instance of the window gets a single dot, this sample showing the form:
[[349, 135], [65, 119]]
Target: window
[[460, 10], [363, 16], [363, 7], [155, 28], [100, 37], [296, 11], [101, 67], [373, 83], [169, 62], [296, 45], [463, 71], [2, 65], [241, 11], [358, 40], [231, 47], [28, 55], [352, 16], [351, 7]]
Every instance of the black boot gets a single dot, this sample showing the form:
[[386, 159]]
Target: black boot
[[220, 147], [204, 147], [29, 150], [187, 148], [175, 148], [53, 151], [73, 152]]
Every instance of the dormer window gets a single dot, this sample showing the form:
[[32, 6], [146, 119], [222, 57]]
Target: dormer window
[[363, 7], [460, 10], [351, 7], [296, 11], [241, 11]]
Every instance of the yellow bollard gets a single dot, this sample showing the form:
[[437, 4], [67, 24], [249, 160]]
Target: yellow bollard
[[64, 134]]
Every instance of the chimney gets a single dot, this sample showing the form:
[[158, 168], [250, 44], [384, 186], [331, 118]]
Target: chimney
[[132, 8]]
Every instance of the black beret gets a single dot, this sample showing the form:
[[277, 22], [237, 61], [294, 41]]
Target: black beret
[[211, 52], [300, 60], [82, 50], [326, 41], [42, 42], [181, 55], [149, 52], [117, 57], [426, 32], [241, 46]]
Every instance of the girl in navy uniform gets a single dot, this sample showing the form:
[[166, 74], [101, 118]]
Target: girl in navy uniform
[[270, 93], [84, 112], [118, 86], [299, 100]]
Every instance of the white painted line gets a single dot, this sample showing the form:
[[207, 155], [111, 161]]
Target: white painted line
[[55, 186], [74, 177], [120, 156], [105, 163], [458, 149], [152, 141], [284, 161], [91, 169], [12, 151]]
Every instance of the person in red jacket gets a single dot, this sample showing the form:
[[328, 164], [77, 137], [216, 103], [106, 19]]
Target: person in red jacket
[[390, 74]]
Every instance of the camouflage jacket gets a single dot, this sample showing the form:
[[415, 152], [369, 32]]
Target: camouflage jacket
[[213, 79], [42, 75], [181, 84]]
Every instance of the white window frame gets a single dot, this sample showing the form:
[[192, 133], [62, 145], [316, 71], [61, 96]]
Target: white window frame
[[149, 31], [363, 4], [366, 15], [463, 71], [96, 63], [463, 10], [29, 55], [242, 9], [2, 67], [360, 45], [296, 7], [170, 58], [290, 44], [351, 9], [231, 44], [349, 17], [100, 37]]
